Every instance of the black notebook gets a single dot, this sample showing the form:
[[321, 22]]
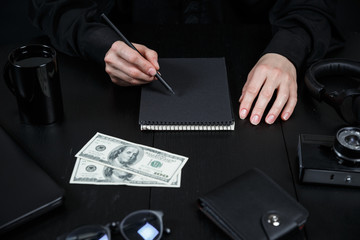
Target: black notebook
[[26, 190], [201, 101]]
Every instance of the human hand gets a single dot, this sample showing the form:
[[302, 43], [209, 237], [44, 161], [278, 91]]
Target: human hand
[[272, 72], [126, 67]]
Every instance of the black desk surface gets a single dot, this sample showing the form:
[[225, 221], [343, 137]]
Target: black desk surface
[[93, 104]]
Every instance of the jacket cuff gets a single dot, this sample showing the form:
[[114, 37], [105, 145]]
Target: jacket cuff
[[98, 43], [288, 44]]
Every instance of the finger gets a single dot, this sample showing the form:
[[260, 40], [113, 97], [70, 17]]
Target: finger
[[263, 99], [132, 56], [290, 105], [287, 98], [280, 101], [149, 54], [122, 79], [117, 67], [250, 90], [245, 105]]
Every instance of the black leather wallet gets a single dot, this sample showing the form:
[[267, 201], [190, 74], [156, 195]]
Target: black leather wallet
[[253, 206]]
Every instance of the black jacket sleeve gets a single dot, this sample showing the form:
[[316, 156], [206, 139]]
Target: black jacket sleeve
[[303, 31], [74, 27]]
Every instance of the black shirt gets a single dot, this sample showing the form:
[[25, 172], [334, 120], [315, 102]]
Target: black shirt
[[303, 31]]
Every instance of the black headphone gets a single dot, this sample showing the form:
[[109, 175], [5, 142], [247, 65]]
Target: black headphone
[[346, 101]]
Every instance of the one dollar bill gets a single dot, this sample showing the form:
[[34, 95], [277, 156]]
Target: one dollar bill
[[90, 172], [144, 161]]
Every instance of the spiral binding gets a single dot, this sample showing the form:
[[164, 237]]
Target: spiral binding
[[230, 127]]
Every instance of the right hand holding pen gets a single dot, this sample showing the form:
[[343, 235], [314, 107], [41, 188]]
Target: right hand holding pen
[[126, 67]]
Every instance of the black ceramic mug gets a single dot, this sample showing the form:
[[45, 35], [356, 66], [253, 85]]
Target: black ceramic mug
[[32, 75]]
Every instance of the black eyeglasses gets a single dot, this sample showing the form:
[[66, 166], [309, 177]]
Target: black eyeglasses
[[138, 225]]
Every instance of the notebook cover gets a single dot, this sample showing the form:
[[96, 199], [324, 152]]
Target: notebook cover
[[253, 206], [26, 190], [201, 95]]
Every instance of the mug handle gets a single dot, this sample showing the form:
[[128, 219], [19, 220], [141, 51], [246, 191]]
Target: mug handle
[[8, 79]]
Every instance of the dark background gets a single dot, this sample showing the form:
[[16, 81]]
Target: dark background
[[16, 28], [334, 211]]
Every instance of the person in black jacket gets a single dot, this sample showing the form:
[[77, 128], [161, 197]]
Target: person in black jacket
[[303, 31]]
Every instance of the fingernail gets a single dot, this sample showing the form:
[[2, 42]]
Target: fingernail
[[152, 72], [243, 113], [270, 119], [255, 119], [286, 116]]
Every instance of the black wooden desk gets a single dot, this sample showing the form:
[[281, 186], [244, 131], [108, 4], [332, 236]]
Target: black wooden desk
[[93, 104], [333, 210]]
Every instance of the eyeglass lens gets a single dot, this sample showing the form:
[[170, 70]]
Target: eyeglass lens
[[92, 232], [142, 225]]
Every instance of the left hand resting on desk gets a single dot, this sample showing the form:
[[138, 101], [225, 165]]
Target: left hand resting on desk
[[272, 72]]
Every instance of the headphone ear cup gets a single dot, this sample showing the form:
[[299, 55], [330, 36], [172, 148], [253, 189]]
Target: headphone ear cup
[[315, 88], [328, 67], [356, 109]]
